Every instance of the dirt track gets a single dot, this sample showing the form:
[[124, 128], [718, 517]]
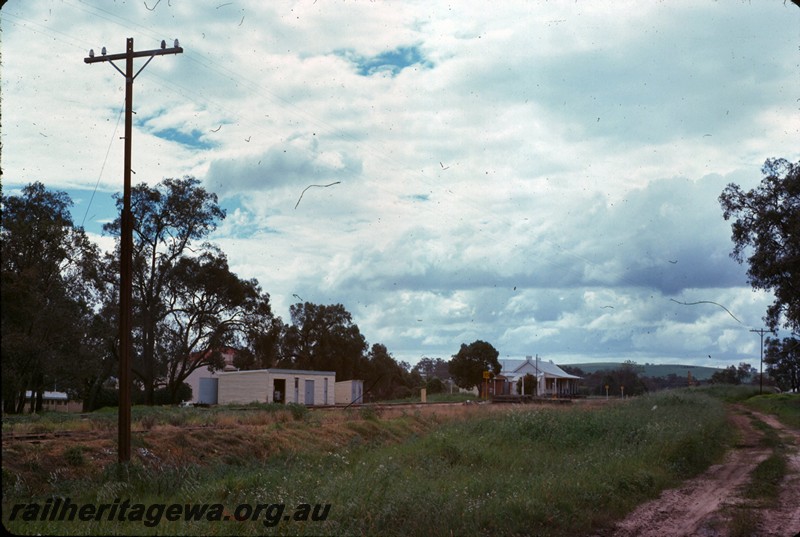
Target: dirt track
[[701, 506]]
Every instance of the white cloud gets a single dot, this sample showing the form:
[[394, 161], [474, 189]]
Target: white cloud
[[539, 175]]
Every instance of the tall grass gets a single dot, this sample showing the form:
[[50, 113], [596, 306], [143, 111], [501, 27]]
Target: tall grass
[[541, 471], [436, 398], [149, 417], [729, 393]]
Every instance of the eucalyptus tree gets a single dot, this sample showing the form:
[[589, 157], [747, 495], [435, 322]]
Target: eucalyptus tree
[[469, 363], [766, 232], [208, 308], [782, 357], [323, 337], [50, 296], [169, 221]]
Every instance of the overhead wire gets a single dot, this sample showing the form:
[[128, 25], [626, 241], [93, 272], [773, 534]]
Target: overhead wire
[[103, 166]]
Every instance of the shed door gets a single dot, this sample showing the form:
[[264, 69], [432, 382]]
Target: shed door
[[310, 392], [208, 391]]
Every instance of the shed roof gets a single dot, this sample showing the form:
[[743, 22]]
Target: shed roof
[[277, 371], [50, 396]]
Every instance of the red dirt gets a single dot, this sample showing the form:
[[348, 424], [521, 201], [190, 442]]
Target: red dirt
[[703, 505]]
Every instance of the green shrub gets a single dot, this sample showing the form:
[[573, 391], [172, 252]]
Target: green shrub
[[434, 385], [74, 455], [369, 412], [299, 412], [177, 418], [148, 421]]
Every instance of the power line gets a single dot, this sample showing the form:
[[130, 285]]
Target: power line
[[105, 159]]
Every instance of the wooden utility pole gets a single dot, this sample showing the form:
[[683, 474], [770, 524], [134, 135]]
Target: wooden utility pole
[[126, 237], [761, 363]]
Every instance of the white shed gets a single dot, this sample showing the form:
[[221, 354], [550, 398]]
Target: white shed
[[276, 386], [349, 392]]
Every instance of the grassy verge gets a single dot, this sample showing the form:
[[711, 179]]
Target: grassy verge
[[437, 398], [728, 392], [527, 470], [783, 405], [147, 417]]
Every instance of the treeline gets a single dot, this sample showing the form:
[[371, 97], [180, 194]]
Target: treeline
[[60, 306], [628, 379]]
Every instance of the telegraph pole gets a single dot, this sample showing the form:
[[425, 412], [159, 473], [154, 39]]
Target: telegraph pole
[[126, 237], [761, 363]]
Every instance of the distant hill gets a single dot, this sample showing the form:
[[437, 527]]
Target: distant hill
[[652, 370]]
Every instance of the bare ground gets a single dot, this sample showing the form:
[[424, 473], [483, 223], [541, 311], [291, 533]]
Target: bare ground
[[703, 506]]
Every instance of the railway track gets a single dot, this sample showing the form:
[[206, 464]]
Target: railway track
[[111, 431]]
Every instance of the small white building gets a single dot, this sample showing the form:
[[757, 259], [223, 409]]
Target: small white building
[[276, 386], [551, 379], [349, 392], [203, 380]]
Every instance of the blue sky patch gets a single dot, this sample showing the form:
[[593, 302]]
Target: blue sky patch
[[192, 139], [92, 209], [390, 62]]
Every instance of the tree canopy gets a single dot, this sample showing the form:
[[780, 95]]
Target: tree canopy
[[432, 368], [766, 232], [323, 337], [60, 307], [734, 375], [187, 302], [209, 307], [467, 366], [782, 357], [50, 290]]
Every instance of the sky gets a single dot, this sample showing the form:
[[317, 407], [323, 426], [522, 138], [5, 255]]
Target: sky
[[543, 176]]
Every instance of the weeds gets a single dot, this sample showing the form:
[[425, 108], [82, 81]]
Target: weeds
[[299, 412], [369, 412], [74, 455], [543, 471], [784, 405], [728, 392], [765, 480]]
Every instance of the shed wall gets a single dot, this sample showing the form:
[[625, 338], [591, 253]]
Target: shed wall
[[349, 391], [298, 396], [259, 386], [244, 387]]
